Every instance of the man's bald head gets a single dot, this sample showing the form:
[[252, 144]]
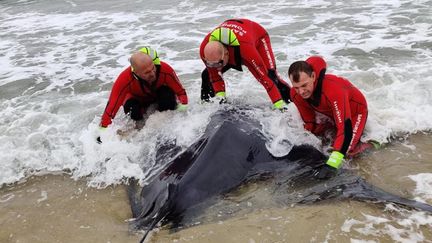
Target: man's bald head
[[214, 52], [143, 66], [139, 59]]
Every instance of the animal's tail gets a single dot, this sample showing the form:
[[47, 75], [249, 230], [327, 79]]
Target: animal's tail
[[361, 190], [351, 186], [162, 213]]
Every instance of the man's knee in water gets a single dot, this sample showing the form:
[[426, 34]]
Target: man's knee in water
[[166, 99], [133, 108]]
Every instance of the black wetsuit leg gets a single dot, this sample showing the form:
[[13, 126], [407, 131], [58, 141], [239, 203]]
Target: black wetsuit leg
[[206, 87], [166, 99], [207, 91]]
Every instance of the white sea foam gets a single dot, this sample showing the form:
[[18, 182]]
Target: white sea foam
[[423, 189], [43, 197], [402, 228]]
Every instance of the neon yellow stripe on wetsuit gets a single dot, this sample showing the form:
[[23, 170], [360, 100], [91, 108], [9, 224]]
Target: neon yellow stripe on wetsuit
[[224, 35]]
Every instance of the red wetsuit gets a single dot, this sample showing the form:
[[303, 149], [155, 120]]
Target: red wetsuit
[[338, 99], [127, 87], [254, 52]]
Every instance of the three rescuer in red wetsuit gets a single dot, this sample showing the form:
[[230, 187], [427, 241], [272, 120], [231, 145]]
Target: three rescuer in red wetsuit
[[238, 42]]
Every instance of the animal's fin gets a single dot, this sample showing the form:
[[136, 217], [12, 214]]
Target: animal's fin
[[361, 190], [133, 191]]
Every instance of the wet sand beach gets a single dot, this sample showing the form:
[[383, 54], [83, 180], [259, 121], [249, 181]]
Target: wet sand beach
[[55, 208]]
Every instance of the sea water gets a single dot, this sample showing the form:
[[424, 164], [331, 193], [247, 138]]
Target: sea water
[[59, 59]]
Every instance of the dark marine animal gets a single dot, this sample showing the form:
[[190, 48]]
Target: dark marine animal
[[231, 152]]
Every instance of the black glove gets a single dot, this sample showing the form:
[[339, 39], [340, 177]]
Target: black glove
[[222, 101], [325, 172], [98, 139]]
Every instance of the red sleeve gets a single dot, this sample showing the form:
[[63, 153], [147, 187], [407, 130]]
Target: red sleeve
[[338, 100], [116, 98], [256, 66], [172, 81], [215, 78], [306, 112]]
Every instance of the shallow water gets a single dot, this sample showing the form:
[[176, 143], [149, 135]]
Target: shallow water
[[54, 208]]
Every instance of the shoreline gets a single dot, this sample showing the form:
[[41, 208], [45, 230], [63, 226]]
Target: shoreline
[[56, 208]]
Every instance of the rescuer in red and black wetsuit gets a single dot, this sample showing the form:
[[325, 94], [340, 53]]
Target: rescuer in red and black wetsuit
[[336, 97], [238, 42], [146, 81]]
